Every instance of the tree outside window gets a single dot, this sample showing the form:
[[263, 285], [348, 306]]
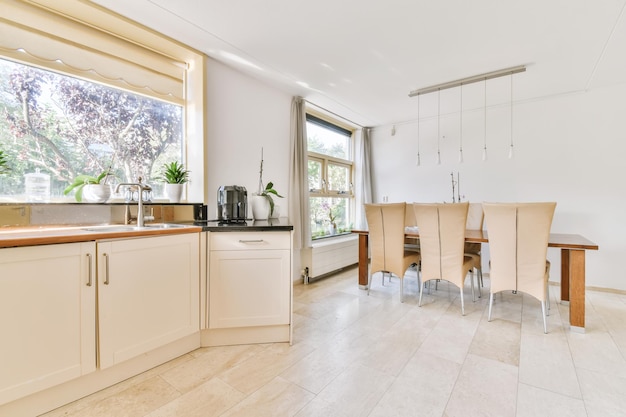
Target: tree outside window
[[330, 178], [64, 126]]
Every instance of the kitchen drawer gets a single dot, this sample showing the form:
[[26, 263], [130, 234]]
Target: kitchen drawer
[[249, 240]]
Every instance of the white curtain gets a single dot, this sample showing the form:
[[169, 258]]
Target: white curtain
[[363, 186], [299, 176]]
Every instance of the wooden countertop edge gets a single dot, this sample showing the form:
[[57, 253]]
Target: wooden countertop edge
[[79, 234]]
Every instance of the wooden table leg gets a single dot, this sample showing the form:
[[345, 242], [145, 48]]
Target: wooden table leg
[[565, 274], [577, 290], [363, 260]]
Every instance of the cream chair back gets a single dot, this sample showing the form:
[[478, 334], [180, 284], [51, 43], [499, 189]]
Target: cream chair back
[[385, 223], [518, 245], [475, 216], [442, 238]]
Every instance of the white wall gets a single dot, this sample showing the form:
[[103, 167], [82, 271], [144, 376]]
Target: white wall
[[244, 115], [569, 149]]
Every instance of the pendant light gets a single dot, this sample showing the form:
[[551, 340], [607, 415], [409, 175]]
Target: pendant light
[[461, 126], [418, 162], [438, 126], [485, 124], [511, 107]]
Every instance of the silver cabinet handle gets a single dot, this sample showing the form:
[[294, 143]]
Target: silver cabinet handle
[[251, 240], [106, 268], [90, 269]]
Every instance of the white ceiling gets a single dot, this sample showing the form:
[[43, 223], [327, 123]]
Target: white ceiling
[[361, 58]]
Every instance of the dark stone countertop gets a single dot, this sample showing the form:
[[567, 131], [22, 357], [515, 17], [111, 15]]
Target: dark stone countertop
[[271, 225]]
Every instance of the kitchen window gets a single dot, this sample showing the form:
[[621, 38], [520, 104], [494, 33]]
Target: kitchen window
[[82, 90], [330, 167]]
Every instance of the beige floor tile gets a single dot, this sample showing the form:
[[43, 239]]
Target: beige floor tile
[[277, 398], [137, 400], [597, 351], [537, 402], [546, 362], [257, 371], [321, 366], [353, 393], [452, 335], [604, 395], [423, 388], [484, 388], [212, 398], [208, 362], [498, 340]]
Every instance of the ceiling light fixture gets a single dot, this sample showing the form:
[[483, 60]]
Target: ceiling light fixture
[[468, 80]]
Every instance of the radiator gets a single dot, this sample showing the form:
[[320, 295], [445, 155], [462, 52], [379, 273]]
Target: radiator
[[330, 255]]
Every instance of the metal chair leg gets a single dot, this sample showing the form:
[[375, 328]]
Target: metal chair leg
[[419, 303], [543, 311], [462, 304], [491, 296]]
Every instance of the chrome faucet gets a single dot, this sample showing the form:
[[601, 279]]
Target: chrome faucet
[[140, 189]]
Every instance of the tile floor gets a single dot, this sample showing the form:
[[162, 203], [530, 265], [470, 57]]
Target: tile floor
[[355, 355]]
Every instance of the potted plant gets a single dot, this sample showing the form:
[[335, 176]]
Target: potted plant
[[175, 176], [4, 163], [262, 202], [91, 189]]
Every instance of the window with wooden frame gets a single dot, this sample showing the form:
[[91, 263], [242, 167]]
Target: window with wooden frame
[[330, 167]]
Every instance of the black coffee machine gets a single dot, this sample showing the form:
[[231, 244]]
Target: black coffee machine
[[232, 204]]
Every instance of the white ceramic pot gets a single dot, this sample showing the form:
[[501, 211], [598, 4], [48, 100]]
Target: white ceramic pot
[[96, 193], [260, 207], [174, 192], [276, 213]]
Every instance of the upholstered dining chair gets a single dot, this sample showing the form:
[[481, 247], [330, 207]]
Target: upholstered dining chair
[[385, 223], [475, 219], [442, 239], [518, 245]]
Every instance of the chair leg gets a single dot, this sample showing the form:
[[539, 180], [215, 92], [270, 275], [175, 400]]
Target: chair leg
[[383, 278], [491, 296], [419, 303], [472, 285], [479, 281], [480, 274], [462, 303], [543, 311]]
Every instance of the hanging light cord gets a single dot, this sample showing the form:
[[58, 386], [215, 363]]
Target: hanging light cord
[[461, 126], [511, 106], [485, 123], [418, 132], [438, 125]]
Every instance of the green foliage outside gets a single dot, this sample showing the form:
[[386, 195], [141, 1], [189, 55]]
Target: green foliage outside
[[68, 127]]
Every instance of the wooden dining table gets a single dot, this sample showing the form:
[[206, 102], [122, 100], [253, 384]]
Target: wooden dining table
[[573, 248]]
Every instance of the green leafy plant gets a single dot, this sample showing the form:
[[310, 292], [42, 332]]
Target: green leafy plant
[[4, 163], [267, 192], [81, 180], [174, 173]]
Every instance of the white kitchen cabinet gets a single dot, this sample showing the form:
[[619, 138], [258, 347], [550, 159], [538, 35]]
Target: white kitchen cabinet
[[47, 316], [148, 294], [250, 281]]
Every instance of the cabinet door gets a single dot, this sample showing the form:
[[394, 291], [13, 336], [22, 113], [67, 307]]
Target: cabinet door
[[148, 294], [47, 316], [249, 288]]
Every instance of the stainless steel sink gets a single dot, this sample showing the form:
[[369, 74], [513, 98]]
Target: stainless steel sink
[[129, 227]]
